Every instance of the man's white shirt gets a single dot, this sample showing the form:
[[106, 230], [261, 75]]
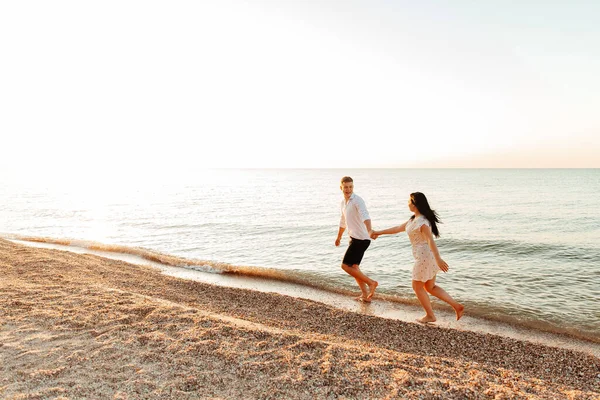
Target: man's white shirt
[[354, 215]]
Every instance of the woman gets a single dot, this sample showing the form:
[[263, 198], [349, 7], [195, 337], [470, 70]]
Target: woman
[[420, 229]]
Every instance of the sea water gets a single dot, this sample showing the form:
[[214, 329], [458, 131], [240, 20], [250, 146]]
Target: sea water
[[523, 245]]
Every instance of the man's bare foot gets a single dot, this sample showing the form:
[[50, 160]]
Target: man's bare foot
[[362, 299], [459, 311], [426, 319], [372, 288]]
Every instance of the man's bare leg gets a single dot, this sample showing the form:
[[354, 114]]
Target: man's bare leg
[[357, 274], [364, 289], [372, 288]]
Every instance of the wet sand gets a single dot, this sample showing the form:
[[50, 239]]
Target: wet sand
[[79, 325]]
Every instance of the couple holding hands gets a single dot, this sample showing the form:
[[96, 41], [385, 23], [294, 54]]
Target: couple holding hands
[[421, 228]]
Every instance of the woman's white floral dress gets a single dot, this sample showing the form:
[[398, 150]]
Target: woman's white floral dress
[[425, 267]]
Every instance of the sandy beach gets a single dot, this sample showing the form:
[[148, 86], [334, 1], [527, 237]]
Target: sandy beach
[[82, 326]]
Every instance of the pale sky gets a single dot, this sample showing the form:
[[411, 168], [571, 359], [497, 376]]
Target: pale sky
[[147, 86]]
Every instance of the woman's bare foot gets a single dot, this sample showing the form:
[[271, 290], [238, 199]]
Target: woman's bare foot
[[459, 311], [372, 288], [426, 319]]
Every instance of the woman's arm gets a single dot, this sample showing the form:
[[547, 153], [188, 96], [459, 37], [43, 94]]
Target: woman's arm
[[426, 230], [389, 231]]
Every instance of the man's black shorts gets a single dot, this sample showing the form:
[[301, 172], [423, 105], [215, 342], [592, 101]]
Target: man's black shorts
[[356, 251]]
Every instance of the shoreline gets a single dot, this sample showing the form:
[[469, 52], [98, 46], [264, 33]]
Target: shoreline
[[80, 325], [380, 307]]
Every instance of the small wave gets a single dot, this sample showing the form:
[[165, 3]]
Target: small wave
[[181, 262], [514, 248], [483, 311], [150, 255]]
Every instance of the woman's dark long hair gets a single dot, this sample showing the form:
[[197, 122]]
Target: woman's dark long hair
[[420, 201]]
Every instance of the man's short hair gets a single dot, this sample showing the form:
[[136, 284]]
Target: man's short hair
[[346, 179]]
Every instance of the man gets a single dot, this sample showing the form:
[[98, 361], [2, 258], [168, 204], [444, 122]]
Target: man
[[355, 218]]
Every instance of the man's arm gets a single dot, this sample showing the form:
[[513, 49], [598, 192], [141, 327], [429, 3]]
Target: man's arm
[[339, 236], [342, 226], [368, 225], [364, 214]]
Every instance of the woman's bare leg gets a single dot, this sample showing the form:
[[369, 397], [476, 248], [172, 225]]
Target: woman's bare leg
[[441, 294], [419, 288]]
